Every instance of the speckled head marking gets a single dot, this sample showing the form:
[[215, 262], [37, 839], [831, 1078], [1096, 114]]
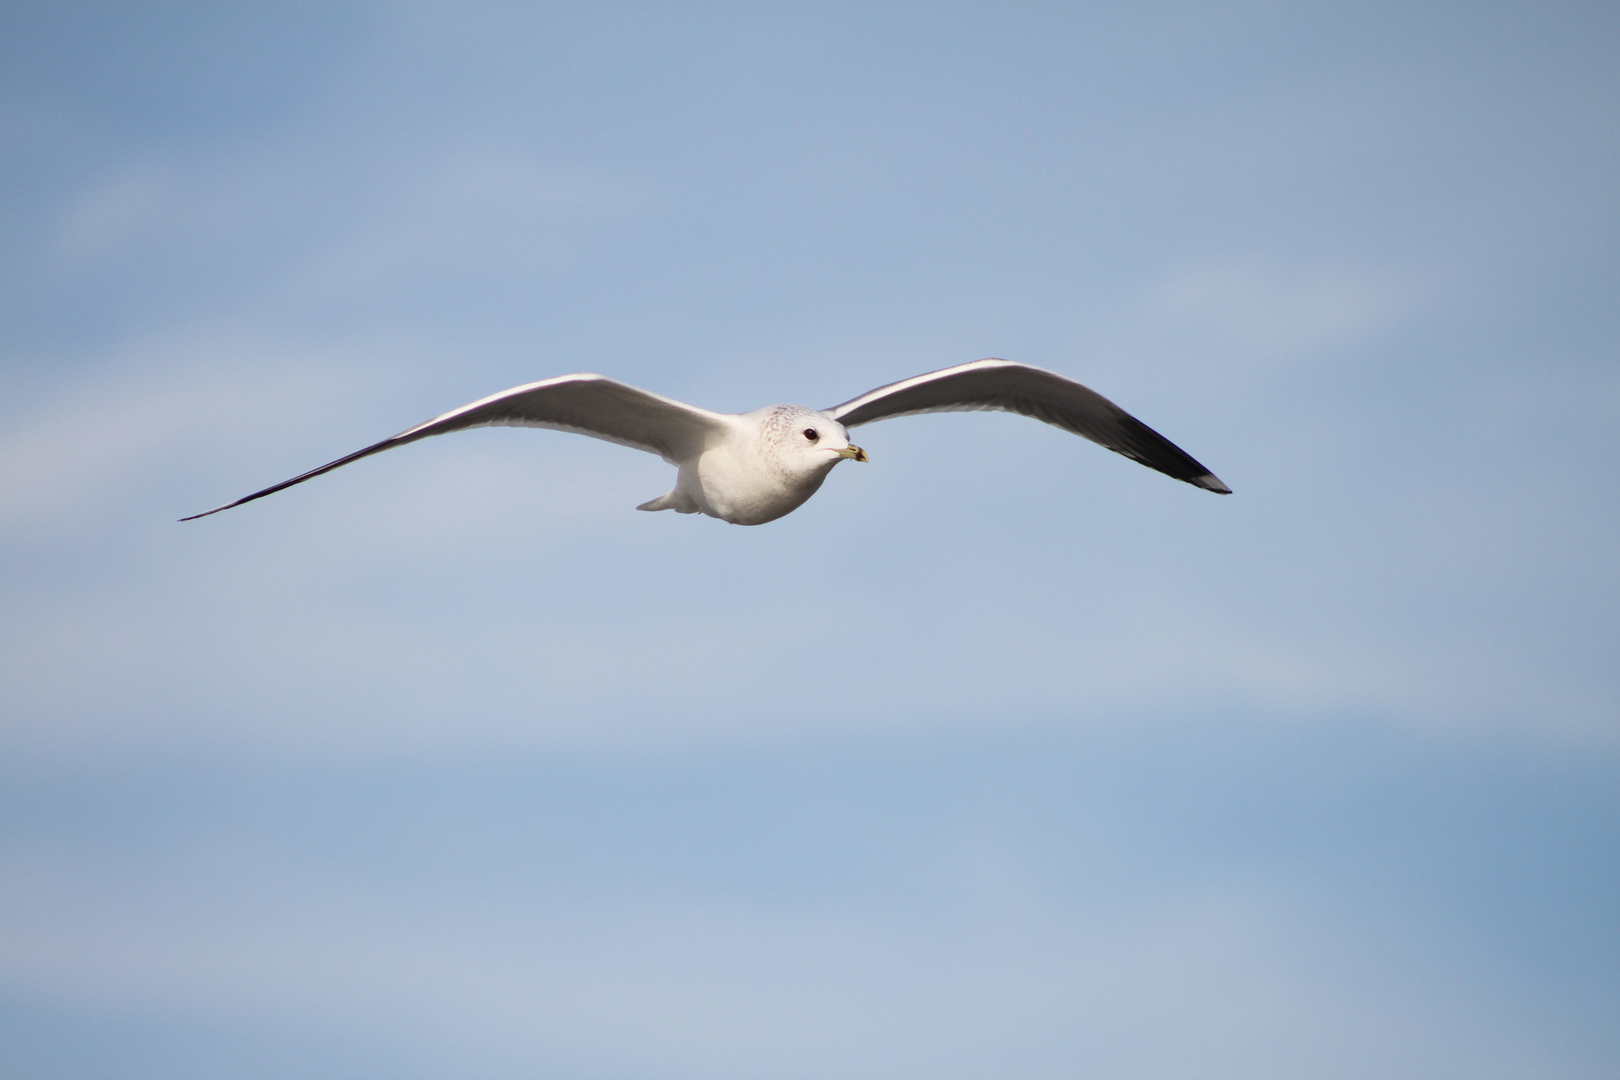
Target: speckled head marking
[[800, 442], [783, 424]]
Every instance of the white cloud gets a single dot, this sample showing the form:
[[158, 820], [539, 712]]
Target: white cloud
[[1267, 314], [80, 454], [113, 214], [1216, 981], [474, 210]]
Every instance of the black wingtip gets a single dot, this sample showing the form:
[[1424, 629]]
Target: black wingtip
[[215, 510], [1210, 482]]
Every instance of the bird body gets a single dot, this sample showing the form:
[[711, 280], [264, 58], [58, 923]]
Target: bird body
[[755, 467], [763, 467]]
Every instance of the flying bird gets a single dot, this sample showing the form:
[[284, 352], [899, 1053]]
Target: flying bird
[[750, 468]]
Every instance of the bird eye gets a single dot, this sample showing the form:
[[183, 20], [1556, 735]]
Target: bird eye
[[812, 434]]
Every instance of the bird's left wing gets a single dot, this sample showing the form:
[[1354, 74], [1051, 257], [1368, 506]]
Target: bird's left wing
[[1030, 391], [586, 404]]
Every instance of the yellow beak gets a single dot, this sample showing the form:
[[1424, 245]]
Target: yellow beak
[[854, 452]]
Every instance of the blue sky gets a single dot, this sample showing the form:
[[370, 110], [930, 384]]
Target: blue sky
[[1003, 755]]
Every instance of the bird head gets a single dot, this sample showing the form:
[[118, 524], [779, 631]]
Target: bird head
[[807, 442]]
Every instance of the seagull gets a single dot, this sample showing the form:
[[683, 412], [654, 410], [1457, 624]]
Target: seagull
[[754, 467]]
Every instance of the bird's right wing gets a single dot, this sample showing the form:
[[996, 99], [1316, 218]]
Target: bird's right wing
[[586, 404], [1005, 386]]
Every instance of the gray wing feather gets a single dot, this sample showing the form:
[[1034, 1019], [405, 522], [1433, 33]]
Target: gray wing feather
[[586, 404], [1030, 391]]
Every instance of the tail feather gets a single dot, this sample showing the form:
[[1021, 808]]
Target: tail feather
[[669, 501]]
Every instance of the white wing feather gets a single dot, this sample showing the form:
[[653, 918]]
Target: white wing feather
[[587, 404]]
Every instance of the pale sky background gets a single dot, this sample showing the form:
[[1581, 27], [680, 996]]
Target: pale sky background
[[1004, 756]]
